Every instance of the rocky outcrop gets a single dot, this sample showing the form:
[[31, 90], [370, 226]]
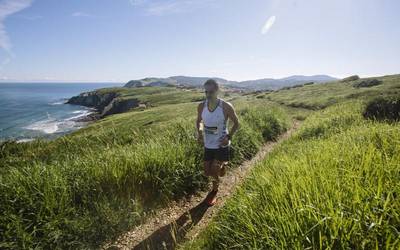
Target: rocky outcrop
[[119, 106], [107, 103], [350, 78], [93, 99]]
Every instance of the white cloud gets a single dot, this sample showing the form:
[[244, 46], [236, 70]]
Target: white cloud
[[159, 8], [268, 24], [81, 14], [7, 8]]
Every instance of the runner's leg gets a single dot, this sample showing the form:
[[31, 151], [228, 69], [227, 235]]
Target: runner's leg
[[215, 168], [223, 159], [222, 171], [207, 168]]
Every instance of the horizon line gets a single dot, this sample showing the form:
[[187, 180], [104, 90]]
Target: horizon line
[[126, 81]]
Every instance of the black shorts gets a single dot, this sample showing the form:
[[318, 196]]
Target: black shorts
[[221, 154]]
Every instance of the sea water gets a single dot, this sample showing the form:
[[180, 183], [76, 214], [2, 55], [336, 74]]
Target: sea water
[[31, 110]]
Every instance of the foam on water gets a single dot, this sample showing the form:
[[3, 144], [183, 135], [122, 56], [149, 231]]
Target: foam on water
[[47, 126], [56, 103], [52, 125], [36, 110], [80, 113]]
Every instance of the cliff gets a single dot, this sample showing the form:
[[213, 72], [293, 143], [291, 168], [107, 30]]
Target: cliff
[[105, 103]]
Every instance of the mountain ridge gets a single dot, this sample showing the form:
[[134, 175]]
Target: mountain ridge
[[256, 84]]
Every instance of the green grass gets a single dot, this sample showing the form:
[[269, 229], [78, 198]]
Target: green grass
[[318, 96], [333, 185], [154, 95], [88, 186]]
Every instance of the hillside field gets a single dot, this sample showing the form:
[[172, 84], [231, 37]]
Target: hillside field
[[334, 184]]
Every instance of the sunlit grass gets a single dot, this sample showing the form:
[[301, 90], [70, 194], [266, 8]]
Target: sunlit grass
[[319, 96], [86, 187], [333, 185]]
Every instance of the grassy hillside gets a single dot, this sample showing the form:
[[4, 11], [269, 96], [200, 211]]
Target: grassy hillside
[[317, 96], [85, 187], [333, 185], [161, 95], [155, 95]]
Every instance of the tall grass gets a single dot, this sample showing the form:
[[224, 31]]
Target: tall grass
[[319, 96], [334, 185], [80, 190]]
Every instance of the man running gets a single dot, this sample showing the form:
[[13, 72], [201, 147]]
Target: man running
[[214, 112]]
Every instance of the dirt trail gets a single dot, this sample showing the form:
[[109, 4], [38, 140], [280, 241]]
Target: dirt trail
[[183, 220]]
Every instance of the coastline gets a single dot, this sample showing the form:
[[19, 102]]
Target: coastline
[[90, 117], [39, 110], [83, 120]]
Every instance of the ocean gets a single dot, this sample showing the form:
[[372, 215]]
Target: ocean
[[32, 110]]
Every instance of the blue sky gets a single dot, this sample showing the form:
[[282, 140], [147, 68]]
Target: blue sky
[[119, 40]]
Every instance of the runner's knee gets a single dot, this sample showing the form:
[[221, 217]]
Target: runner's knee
[[207, 168], [215, 167]]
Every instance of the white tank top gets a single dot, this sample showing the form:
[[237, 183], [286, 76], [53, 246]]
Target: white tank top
[[214, 125]]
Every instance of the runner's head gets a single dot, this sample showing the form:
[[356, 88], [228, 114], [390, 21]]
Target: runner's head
[[211, 89]]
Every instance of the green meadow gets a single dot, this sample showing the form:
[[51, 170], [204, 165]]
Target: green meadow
[[317, 96], [334, 184], [88, 186]]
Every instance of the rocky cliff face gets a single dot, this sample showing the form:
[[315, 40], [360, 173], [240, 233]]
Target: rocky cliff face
[[119, 106], [93, 99], [105, 103]]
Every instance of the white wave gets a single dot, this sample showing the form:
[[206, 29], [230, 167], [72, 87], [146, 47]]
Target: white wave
[[58, 102], [48, 126], [52, 125], [80, 113], [25, 140]]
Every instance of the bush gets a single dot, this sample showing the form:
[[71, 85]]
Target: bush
[[297, 86], [383, 108], [367, 83]]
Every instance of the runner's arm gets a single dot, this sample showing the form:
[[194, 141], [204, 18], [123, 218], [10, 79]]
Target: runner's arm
[[234, 118], [198, 121]]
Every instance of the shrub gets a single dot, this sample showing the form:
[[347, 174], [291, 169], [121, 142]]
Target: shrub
[[383, 108], [367, 83], [297, 86]]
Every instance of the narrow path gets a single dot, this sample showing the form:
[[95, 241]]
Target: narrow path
[[183, 220]]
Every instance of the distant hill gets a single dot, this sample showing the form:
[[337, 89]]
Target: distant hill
[[173, 80], [258, 84]]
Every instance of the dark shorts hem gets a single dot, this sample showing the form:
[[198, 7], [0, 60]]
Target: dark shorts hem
[[221, 154]]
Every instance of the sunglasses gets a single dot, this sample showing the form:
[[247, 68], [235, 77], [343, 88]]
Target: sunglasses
[[209, 92]]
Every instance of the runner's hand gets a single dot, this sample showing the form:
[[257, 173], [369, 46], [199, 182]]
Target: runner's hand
[[224, 141]]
